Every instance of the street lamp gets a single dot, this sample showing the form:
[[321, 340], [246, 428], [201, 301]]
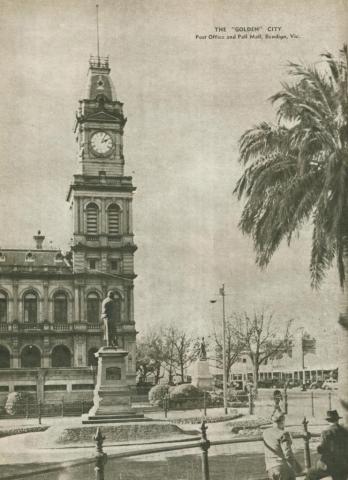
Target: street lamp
[[303, 360], [224, 376]]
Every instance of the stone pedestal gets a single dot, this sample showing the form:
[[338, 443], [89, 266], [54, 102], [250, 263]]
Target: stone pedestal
[[112, 395], [201, 376]]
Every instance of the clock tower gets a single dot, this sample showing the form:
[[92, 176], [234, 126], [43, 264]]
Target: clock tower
[[100, 198]]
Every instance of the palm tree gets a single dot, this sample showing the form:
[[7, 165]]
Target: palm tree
[[296, 171]]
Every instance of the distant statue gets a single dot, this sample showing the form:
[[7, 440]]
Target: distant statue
[[202, 350], [108, 320]]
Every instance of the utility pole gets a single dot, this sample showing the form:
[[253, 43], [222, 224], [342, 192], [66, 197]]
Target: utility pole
[[303, 363], [224, 376]]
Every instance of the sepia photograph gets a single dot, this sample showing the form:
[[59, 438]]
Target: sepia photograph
[[174, 239]]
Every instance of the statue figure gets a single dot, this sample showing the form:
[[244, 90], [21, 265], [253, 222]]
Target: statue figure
[[109, 323], [202, 350]]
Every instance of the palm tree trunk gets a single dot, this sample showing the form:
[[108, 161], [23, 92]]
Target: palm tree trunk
[[343, 347]]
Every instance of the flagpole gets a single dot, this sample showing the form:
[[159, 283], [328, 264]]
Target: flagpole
[[224, 373]]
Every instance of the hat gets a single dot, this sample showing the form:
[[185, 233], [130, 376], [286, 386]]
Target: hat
[[277, 416], [332, 416]]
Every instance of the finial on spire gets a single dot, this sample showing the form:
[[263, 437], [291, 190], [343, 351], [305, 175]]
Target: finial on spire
[[97, 9]]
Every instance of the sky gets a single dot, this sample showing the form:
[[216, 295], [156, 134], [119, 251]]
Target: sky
[[188, 99]]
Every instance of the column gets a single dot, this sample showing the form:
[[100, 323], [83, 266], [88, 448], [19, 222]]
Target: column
[[130, 217], [82, 226], [83, 317], [15, 352], [80, 355], [103, 226], [40, 384], [104, 289], [76, 208], [15, 300], [45, 301], [76, 304], [131, 304], [46, 352]]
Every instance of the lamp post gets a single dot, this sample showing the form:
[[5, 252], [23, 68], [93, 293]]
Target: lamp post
[[303, 362], [224, 376]]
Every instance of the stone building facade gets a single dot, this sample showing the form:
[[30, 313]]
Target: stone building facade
[[49, 300]]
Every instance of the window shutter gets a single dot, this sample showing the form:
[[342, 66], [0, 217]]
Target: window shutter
[[114, 220], [92, 219]]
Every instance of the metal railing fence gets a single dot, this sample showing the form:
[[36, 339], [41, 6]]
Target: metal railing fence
[[204, 444]]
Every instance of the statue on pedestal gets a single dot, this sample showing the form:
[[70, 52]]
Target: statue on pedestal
[[201, 376], [108, 320], [202, 350]]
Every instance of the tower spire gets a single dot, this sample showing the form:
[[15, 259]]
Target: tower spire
[[97, 11]]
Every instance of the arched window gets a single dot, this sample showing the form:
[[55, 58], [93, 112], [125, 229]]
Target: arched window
[[93, 308], [30, 357], [92, 359], [3, 307], [61, 357], [60, 303], [92, 218], [30, 307], [114, 219], [4, 357]]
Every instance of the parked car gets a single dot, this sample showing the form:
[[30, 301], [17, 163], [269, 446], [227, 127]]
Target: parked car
[[330, 384], [294, 383], [316, 384]]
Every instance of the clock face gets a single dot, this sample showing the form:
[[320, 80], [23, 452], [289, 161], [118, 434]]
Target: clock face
[[101, 143]]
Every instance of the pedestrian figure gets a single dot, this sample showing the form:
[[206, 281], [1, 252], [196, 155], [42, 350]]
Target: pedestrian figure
[[333, 451], [277, 397], [279, 458]]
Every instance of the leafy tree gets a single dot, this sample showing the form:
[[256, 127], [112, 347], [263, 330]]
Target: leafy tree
[[181, 350], [261, 338], [296, 171], [170, 359], [233, 347], [185, 352], [151, 354]]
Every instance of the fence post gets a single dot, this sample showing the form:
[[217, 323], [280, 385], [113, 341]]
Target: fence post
[[62, 412], [82, 407], [205, 445], [205, 403], [306, 438], [251, 402], [39, 412], [330, 405], [312, 402], [101, 457], [27, 408]]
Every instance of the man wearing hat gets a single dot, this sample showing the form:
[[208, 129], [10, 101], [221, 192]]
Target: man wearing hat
[[333, 451], [279, 458]]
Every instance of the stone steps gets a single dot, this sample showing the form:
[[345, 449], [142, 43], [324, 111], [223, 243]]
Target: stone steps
[[120, 420], [136, 417]]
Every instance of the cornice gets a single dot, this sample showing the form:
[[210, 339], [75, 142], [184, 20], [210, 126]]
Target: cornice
[[129, 248]]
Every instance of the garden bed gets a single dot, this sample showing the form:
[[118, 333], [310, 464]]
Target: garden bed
[[208, 419], [6, 432], [249, 424]]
